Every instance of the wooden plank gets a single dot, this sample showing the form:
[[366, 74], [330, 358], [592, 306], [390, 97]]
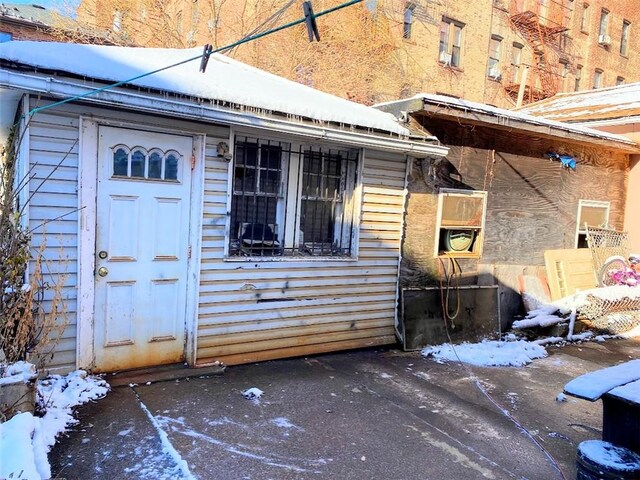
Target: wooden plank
[[569, 271]]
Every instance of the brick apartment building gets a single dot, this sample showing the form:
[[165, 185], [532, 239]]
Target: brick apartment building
[[494, 51], [500, 52]]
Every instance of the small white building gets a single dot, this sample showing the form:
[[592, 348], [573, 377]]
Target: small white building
[[230, 215]]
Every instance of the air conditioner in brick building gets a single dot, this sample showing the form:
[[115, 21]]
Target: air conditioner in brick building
[[604, 40]]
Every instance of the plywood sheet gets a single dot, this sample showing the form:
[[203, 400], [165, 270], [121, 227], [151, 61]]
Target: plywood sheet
[[569, 271]]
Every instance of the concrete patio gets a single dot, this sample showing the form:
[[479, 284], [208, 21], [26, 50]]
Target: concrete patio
[[369, 414]]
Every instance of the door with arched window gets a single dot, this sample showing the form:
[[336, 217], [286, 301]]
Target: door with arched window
[[142, 248]]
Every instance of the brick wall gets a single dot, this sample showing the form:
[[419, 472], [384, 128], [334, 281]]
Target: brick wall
[[20, 30]]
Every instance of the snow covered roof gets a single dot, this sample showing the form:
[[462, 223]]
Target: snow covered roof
[[503, 117], [591, 105], [225, 80]]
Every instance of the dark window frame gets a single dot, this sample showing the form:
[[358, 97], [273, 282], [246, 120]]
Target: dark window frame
[[312, 210]]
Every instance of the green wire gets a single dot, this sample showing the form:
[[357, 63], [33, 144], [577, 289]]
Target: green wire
[[217, 50]]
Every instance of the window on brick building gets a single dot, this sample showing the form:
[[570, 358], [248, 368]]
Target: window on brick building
[[584, 22], [564, 68], [408, 20], [450, 51], [597, 78], [619, 80], [117, 21], [516, 60], [604, 23], [578, 76], [624, 38], [493, 65]]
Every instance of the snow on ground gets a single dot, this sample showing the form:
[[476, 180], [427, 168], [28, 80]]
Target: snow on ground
[[17, 372], [514, 353], [181, 465], [555, 312], [253, 393], [26, 439]]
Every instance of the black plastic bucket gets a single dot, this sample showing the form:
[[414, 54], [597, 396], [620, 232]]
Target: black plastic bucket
[[600, 460]]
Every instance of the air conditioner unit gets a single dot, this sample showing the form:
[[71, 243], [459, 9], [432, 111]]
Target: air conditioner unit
[[604, 40], [495, 73], [445, 58]]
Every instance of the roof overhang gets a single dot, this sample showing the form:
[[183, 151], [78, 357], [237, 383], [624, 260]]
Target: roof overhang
[[500, 119], [63, 88]]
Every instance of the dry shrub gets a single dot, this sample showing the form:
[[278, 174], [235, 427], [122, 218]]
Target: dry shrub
[[30, 326]]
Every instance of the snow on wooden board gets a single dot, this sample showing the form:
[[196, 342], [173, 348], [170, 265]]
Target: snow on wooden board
[[629, 392], [589, 102], [469, 106], [591, 386], [225, 79]]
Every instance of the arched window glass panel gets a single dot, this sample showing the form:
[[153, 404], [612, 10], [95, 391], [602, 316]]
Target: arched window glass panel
[[155, 165], [171, 167], [120, 162], [137, 163]]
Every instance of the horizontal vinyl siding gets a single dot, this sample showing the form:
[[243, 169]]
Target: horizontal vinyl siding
[[252, 311], [53, 190]]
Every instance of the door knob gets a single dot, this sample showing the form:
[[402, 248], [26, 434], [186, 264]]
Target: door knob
[[103, 271]]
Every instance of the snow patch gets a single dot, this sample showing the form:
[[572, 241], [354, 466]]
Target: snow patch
[[595, 384], [253, 393], [19, 372], [25, 440], [167, 446], [488, 352]]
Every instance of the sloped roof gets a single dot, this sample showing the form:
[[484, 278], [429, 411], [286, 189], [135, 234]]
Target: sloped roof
[[592, 105], [457, 108], [28, 13], [225, 81]]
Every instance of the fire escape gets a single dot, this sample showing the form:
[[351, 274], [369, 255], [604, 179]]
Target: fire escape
[[543, 27]]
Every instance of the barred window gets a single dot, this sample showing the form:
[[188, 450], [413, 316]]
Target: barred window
[[292, 201]]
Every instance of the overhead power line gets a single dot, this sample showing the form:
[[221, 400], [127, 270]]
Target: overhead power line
[[202, 56]]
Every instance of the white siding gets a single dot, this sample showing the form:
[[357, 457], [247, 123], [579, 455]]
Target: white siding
[[53, 219], [247, 311], [251, 311]]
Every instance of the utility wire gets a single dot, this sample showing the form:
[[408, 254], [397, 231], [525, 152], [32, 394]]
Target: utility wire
[[217, 50], [269, 21]]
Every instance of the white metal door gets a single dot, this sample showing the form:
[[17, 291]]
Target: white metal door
[[142, 250]]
